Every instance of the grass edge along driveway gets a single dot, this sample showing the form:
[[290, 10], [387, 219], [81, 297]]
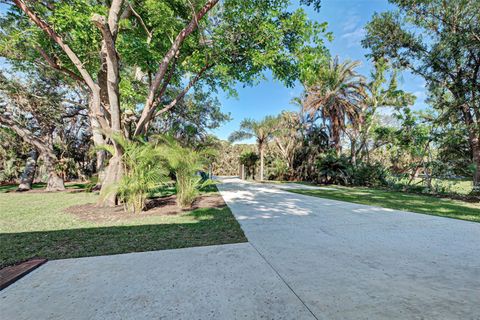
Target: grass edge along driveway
[[36, 225], [402, 201]]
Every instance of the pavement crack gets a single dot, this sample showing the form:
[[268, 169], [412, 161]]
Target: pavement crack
[[284, 281]]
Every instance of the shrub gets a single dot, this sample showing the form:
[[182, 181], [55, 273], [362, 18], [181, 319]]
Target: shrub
[[144, 172], [369, 175], [249, 160], [186, 165], [334, 169], [277, 170]]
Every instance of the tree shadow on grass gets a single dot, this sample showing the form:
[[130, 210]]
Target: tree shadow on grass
[[13, 187], [209, 227]]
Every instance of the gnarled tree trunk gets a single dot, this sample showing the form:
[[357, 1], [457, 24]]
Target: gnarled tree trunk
[[113, 174], [26, 179], [54, 182]]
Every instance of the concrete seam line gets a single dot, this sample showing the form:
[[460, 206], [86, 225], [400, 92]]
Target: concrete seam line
[[281, 278]]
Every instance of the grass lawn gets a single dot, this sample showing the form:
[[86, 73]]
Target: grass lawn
[[458, 186], [36, 225], [401, 201]]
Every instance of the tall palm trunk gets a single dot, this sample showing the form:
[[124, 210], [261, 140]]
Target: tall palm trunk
[[261, 148]]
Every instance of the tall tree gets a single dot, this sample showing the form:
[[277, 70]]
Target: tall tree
[[288, 137], [448, 58], [33, 111], [261, 130], [335, 93], [379, 92], [179, 44]]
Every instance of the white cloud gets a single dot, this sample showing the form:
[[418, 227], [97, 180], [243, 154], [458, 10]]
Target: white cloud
[[354, 37], [351, 23]]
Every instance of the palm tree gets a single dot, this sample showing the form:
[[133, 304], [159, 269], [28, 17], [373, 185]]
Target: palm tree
[[261, 130], [335, 94]]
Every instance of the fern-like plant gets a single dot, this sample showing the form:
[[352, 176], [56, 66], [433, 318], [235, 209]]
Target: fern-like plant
[[185, 164], [145, 170]]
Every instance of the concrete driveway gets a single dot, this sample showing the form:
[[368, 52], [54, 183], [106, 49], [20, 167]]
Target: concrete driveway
[[307, 258], [215, 282], [351, 261]]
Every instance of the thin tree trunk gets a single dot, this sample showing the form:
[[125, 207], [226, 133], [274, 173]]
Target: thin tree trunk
[[353, 151], [26, 179], [476, 160], [475, 146], [98, 140], [261, 161]]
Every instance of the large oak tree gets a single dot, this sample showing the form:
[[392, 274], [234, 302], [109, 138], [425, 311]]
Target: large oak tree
[[440, 41], [106, 46]]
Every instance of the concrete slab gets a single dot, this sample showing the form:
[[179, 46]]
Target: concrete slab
[[216, 282], [351, 261]]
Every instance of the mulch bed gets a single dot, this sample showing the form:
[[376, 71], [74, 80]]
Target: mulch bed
[[164, 206], [9, 275]]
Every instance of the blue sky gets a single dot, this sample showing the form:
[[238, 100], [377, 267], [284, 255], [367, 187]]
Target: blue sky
[[346, 19]]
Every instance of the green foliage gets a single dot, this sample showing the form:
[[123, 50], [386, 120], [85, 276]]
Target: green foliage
[[249, 160], [335, 95], [277, 170], [185, 164], [10, 171], [437, 40], [227, 161], [370, 175], [144, 172], [192, 118], [334, 169]]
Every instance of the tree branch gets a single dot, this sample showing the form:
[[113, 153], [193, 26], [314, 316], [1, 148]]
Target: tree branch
[[180, 96], [142, 23], [171, 53], [96, 109], [54, 64], [55, 37]]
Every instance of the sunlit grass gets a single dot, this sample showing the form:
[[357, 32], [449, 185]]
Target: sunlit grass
[[36, 225], [401, 201]]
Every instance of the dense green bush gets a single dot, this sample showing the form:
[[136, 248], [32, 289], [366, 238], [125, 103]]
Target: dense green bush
[[334, 169], [249, 160], [369, 175], [277, 169]]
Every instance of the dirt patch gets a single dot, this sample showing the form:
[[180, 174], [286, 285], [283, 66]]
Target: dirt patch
[[164, 206]]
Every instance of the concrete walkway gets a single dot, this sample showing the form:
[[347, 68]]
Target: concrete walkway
[[351, 261], [215, 282], [308, 258]]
